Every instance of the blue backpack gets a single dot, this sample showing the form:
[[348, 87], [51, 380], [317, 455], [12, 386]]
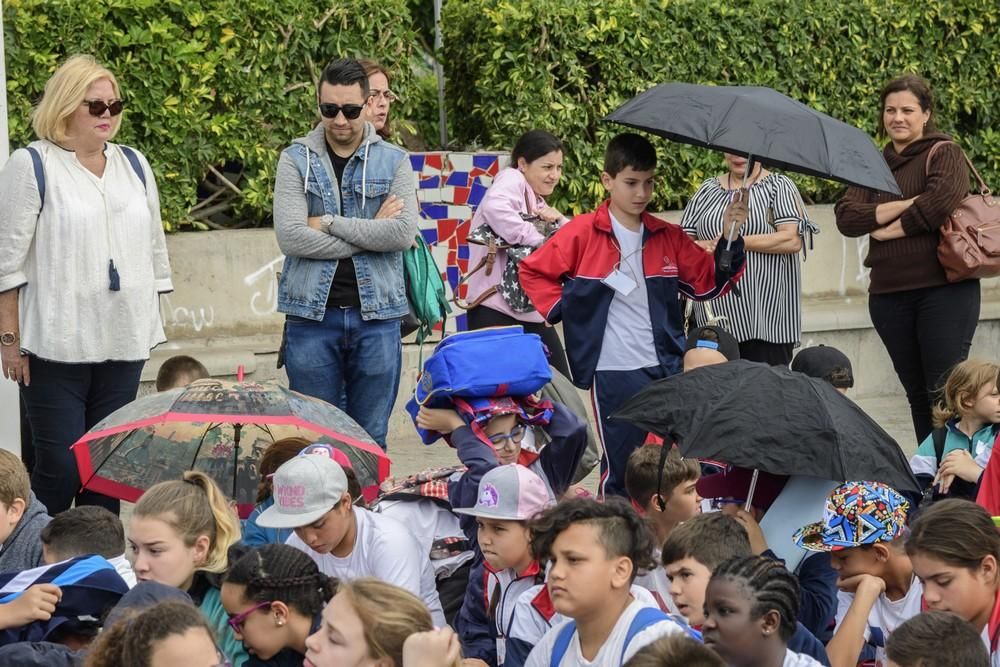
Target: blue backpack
[[36, 163], [646, 617]]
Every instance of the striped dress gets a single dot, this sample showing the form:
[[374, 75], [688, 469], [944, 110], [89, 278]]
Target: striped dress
[[769, 307]]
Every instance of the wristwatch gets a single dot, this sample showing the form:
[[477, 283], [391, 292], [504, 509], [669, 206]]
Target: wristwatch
[[8, 338], [325, 221]]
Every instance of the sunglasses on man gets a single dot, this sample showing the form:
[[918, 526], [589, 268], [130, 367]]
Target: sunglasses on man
[[98, 107], [350, 111]]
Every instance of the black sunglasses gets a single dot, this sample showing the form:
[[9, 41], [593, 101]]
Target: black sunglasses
[[98, 107], [351, 111]]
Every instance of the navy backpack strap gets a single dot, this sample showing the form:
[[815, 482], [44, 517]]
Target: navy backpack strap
[[36, 163], [563, 639], [939, 435], [648, 616], [133, 159]]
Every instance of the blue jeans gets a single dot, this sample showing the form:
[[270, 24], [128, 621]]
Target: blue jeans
[[348, 362], [63, 402]]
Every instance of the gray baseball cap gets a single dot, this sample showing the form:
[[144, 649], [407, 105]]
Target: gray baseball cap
[[305, 488], [509, 493]]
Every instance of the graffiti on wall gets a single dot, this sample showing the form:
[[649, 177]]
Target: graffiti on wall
[[450, 187]]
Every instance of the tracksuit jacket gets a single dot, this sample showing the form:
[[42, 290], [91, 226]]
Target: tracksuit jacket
[[563, 280]]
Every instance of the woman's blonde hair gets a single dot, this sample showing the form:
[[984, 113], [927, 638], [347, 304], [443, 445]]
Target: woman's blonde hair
[[194, 506], [64, 92], [388, 614], [962, 385]]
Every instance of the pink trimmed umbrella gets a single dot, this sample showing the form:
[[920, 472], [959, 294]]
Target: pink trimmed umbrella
[[220, 428]]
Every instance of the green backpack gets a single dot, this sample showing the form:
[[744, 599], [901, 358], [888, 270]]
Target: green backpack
[[424, 290]]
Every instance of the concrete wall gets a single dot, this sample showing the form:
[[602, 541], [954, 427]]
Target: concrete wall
[[223, 306]]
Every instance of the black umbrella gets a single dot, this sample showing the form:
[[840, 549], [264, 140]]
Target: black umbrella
[[763, 125], [769, 418]]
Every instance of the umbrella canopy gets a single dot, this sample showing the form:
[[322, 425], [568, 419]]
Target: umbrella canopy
[[220, 428], [763, 124], [769, 418]]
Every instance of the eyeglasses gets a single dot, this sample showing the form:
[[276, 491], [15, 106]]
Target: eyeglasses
[[236, 622], [515, 436], [386, 94], [351, 111], [98, 107]]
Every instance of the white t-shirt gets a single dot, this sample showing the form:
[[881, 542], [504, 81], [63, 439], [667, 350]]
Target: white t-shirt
[[656, 582], [124, 569], [610, 654], [793, 659], [428, 522], [628, 336], [885, 616], [387, 550], [994, 655]]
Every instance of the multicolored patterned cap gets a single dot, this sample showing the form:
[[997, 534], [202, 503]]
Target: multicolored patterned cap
[[856, 513]]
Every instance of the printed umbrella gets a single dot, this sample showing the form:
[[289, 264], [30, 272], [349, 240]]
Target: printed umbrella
[[769, 418], [763, 125], [220, 428]]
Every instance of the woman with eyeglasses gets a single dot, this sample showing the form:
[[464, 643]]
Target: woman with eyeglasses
[[274, 596], [380, 97], [82, 261], [168, 634]]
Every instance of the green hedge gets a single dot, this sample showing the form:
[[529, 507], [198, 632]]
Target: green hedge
[[562, 65], [205, 82]]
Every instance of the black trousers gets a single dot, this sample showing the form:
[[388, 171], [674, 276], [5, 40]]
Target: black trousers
[[926, 332], [772, 354], [63, 402], [482, 317]]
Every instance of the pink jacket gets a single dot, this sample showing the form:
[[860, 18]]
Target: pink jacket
[[508, 197]]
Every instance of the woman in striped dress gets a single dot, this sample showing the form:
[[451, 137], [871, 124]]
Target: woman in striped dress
[[766, 318]]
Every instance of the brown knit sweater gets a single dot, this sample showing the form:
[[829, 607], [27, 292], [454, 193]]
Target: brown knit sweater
[[910, 262]]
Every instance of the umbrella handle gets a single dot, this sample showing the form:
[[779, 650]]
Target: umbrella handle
[[753, 489]]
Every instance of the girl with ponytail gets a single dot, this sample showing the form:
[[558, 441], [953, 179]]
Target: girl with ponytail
[[179, 535], [274, 596]]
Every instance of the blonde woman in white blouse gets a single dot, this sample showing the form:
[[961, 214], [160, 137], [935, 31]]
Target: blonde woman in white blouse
[[82, 265]]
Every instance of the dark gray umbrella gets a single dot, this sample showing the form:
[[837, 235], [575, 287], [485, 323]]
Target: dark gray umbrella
[[769, 418], [763, 125]]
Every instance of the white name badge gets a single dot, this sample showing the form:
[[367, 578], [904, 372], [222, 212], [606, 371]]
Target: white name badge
[[620, 282]]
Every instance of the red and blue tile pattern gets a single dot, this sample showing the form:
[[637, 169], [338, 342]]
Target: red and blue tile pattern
[[450, 187]]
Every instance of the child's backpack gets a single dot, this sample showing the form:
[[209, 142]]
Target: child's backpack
[[424, 290], [646, 617]]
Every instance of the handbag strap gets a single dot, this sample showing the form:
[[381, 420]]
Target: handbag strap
[[487, 263], [984, 189]]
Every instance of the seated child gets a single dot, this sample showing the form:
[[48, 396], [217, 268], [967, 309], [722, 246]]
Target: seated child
[[675, 651], [750, 608], [88, 529], [509, 496], [709, 345], [954, 455], [817, 579], [825, 363], [179, 371], [936, 639], [312, 498], [955, 550], [662, 486], [274, 596], [862, 529], [595, 551], [22, 517], [277, 453], [612, 276], [699, 546]]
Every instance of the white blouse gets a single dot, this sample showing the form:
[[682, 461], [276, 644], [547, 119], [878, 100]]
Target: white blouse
[[59, 259]]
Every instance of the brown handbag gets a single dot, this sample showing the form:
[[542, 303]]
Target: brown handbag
[[969, 246]]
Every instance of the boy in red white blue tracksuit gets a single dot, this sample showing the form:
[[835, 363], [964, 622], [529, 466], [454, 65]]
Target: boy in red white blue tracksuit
[[613, 277]]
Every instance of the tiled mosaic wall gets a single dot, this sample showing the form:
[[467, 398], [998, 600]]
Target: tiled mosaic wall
[[451, 185]]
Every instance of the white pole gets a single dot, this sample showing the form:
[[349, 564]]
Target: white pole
[[10, 415]]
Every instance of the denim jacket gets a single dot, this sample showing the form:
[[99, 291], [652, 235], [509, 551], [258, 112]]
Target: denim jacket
[[376, 170]]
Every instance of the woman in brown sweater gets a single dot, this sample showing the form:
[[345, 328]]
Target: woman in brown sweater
[[925, 322]]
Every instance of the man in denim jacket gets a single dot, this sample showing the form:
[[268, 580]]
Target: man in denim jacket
[[345, 209]]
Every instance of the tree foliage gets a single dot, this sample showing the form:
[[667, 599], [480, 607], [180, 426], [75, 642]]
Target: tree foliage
[[562, 65]]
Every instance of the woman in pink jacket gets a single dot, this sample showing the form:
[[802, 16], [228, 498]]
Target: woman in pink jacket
[[517, 191]]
